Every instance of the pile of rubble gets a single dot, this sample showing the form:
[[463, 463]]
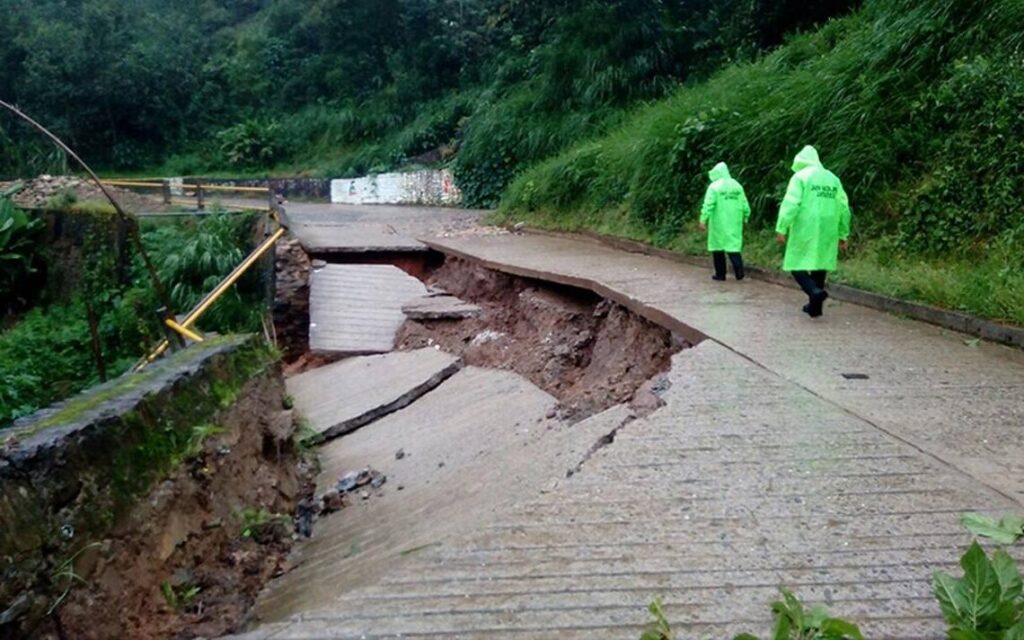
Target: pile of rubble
[[60, 191]]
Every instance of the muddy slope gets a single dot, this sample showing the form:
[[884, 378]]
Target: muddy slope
[[189, 560]]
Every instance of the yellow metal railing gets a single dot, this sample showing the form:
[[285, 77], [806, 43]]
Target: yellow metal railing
[[184, 327], [199, 190]]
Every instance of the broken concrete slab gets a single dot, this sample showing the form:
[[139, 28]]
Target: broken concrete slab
[[711, 502], [357, 309], [472, 447], [342, 397], [439, 306]]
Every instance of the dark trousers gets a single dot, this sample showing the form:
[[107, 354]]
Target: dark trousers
[[813, 284], [718, 257]]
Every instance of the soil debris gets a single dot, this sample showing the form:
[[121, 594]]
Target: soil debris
[[56, 192], [190, 559], [588, 352]]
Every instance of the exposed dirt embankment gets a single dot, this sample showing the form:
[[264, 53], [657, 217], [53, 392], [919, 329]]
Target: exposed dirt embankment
[[189, 561], [588, 352], [153, 506]]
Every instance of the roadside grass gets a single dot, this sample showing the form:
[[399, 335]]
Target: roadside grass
[[987, 285]]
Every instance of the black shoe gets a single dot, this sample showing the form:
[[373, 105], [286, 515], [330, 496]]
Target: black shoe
[[740, 276], [807, 309], [718, 278]]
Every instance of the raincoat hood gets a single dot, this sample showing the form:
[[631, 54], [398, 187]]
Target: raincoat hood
[[719, 171], [808, 157]]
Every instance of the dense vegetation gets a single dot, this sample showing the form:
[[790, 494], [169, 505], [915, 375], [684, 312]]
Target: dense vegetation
[[48, 354], [345, 86], [603, 114], [917, 105]]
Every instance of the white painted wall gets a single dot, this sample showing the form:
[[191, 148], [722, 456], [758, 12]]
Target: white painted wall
[[417, 187]]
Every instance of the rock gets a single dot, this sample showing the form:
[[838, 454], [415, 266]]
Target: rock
[[399, 454], [318, 264], [18, 607], [348, 482], [485, 336], [305, 512], [282, 426], [333, 500], [365, 495], [356, 479]]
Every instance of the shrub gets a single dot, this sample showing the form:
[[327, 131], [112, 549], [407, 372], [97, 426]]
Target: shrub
[[17, 252], [250, 143]]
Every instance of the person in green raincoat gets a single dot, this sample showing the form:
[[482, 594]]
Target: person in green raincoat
[[814, 222], [723, 215]]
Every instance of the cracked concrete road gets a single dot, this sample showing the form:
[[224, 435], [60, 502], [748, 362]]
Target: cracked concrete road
[[765, 468], [929, 387], [325, 229]]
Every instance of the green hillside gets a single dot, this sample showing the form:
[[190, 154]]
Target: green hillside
[[601, 114]]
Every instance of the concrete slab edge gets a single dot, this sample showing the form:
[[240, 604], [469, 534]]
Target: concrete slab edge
[[412, 395], [953, 320], [316, 251], [638, 307]]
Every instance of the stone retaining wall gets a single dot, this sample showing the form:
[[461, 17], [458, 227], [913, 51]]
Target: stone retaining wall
[[296, 188]]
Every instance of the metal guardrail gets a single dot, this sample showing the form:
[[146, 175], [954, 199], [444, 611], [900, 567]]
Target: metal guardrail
[[200, 192], [183, 329]]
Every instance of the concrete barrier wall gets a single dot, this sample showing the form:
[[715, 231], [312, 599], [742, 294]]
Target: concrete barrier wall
[[418, 187]]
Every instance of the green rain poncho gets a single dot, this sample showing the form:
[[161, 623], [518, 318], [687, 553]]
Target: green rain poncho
[[814, 216], [724, 211]]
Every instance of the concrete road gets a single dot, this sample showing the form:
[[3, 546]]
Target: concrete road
[[331, 228], [766, 468]]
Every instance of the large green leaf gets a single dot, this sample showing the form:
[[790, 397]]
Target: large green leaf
[[1007, 574], [1007, 531], [969, 634], [841, 629], [978, 591], [783, 623], [1016, 632], [945, 587]]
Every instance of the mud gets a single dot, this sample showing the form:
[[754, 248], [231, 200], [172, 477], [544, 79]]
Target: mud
[[588, 352], [189, 560]]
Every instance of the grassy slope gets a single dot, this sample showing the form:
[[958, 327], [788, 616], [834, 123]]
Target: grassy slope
[[903, 106]]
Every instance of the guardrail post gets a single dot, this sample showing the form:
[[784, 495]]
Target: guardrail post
[[166, 189], [199, 197], [174, 340]]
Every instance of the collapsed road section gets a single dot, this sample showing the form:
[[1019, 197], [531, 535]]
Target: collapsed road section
[[491, 388], [761, 469]]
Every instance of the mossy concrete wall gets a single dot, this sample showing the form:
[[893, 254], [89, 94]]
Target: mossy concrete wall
[[70, 472], [77, 245]]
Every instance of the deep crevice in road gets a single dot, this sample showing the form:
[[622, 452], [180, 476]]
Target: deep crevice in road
[[589, 352]]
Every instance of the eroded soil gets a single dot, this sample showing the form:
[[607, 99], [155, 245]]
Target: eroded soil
[[588, 352], [189, 560]]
